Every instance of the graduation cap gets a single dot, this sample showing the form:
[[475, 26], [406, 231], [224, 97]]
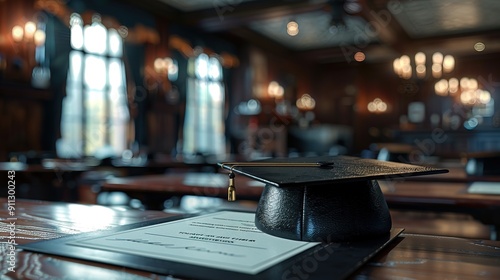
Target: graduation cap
[[328, 198]]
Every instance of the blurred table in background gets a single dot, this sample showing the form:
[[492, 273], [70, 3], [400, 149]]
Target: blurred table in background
[[454, 197], [54, 182], [153, 190], [455, 174], [74, 180]]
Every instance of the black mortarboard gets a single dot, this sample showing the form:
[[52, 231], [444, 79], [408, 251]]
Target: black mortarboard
[[328, 198]]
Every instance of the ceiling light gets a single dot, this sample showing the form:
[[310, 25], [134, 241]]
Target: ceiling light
[[420, 58], [448, 63], [441, 87], [436, 70], [39, 37], [420, 70], [479, 46], [17, 33], [453, 85], [275, 90], [29, 29], [377, 106], [292, 28], [437, 58], [306, 102], [359, 56]]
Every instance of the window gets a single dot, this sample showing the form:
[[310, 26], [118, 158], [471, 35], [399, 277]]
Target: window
[[204, 123], [95, 113]]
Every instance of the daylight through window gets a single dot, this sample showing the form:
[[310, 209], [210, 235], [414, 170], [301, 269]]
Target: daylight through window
[[95, 114]]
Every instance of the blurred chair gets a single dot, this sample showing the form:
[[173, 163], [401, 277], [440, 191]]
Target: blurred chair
[[320, 140], [393, 152], [30, 157], [483, 164]]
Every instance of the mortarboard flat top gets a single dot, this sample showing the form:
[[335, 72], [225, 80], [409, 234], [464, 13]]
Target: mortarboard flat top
[[331, 169], [332, 198]]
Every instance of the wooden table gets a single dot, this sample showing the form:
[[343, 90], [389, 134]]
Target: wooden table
[[410, 256], [154, 189], [54, 181], [444, 197], [454, 175], [62, 180]]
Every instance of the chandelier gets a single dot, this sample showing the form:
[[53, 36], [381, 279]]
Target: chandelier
[[404, 67], [467, 89]]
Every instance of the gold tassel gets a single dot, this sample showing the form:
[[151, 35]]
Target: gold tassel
[[231, 190]]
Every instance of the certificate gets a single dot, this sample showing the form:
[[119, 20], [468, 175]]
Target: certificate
[[223, 240]]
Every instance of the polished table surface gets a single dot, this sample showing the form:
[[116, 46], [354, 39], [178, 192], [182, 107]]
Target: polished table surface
[[410, 256]]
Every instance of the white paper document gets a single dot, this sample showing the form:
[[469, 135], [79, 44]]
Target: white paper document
[[223, 240]]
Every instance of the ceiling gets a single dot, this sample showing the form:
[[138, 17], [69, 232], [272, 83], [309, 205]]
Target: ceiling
[[382, 29]]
